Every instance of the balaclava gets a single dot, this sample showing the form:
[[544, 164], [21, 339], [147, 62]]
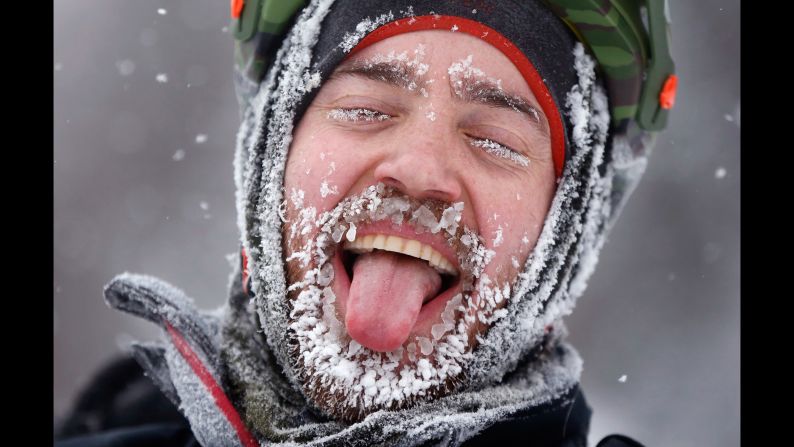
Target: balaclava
[[521, 362]]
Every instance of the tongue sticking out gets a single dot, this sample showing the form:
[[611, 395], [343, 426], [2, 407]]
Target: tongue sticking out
[[386, 294]]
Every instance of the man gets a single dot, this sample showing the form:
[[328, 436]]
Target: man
[[422, 191]]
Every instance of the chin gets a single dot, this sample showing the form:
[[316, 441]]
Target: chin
[[357, 353]]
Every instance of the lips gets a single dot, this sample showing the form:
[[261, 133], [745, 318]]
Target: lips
[[399, 282]]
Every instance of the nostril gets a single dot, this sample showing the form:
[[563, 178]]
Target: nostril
[[440, 195], [420, 177], [394, 183], [435, 194]]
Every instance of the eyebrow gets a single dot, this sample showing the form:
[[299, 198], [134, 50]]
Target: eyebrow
[[397, 74], [400, 74], [486, 92]]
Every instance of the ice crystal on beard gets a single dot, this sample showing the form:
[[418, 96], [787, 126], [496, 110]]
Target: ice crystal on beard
[[326, 190], [423, 217], [351, 233], [498, 239], [425, 346], [479, 255], [328, 359], [438, 330], [450, 218], [296, 196]]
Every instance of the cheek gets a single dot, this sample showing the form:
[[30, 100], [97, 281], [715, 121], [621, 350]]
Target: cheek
[[512, 227], [324, 166]]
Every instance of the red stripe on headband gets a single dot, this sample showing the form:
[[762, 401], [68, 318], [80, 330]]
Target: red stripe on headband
[[501, 43]]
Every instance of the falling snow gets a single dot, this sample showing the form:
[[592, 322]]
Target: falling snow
[[126, 67]]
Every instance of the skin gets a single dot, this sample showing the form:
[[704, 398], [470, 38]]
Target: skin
[[427, 148]]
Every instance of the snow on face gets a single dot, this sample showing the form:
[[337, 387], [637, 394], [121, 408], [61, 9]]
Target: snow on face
[[338, 368], [437, 176]]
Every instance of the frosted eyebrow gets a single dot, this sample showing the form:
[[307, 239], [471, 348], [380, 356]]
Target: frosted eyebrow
[[486, 92], [396, 74]]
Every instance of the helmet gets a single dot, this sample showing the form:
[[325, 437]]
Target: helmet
[[628, 38]]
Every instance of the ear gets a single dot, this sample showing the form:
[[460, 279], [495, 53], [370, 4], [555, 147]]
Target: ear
[[244, 272]]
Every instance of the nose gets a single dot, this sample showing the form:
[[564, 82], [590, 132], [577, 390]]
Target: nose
[[421, 165]]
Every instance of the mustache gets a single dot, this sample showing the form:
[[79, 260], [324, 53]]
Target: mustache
[[377, 203]]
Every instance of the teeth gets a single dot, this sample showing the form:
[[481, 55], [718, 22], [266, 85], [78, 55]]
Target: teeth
[[408, 247], [393, 243], [427, 252], [379, 242], [435, 259], [412, 248]]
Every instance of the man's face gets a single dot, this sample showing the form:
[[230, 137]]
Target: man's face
[[431, 158]]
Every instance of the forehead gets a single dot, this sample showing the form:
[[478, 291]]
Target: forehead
[[442, 51]]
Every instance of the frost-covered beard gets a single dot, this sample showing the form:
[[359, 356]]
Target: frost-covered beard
[[348, 379]]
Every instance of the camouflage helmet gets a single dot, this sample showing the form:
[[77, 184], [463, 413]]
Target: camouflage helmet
[[628, 38]]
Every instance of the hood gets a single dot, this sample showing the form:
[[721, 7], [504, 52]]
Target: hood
[[505, 371]]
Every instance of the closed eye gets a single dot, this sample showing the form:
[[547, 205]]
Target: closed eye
[[357, 115], [500, 150]]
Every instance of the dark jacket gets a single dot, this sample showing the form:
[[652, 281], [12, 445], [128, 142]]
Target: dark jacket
[[123, 408]]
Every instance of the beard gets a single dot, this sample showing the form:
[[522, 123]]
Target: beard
[[338, 375]]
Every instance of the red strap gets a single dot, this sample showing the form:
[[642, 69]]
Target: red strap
[[501, 43], [245, 271], [215, 390]]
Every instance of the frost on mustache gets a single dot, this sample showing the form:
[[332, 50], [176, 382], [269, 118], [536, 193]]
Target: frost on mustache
[[337, 369]]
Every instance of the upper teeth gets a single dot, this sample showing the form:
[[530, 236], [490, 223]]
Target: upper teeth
[[408, 247]]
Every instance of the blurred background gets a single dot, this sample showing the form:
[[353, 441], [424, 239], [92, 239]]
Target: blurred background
[[144, 128]]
